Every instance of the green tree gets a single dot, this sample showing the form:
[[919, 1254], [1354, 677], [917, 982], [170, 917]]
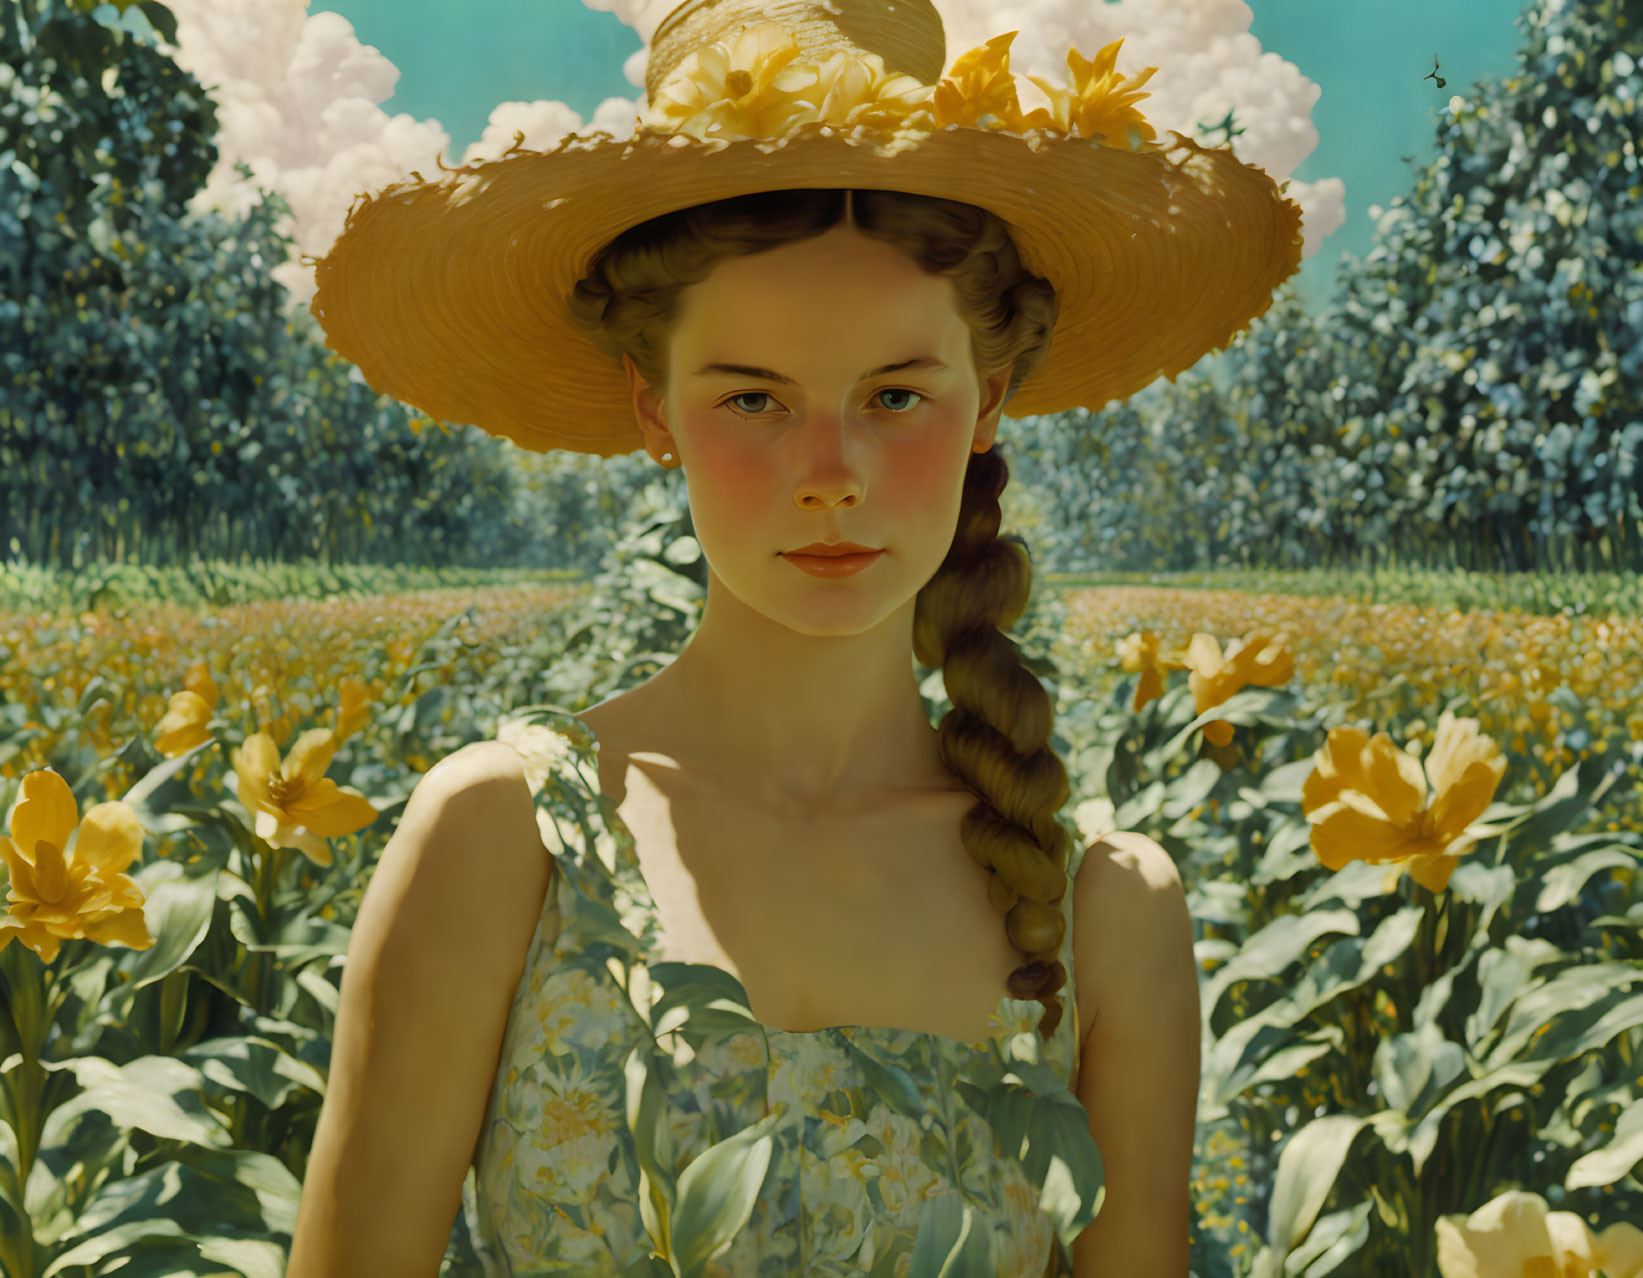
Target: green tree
[[154, 402], [1470, 396], [1490, 348]]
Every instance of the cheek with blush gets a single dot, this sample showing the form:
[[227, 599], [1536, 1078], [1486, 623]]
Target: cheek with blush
[[733, 492], [923, 484]]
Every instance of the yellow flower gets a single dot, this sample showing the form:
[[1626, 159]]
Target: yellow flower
[[353, 712], [1367, 800], [296, 804], [756, 85], [1099, 102], [262, 698], [57, 894], [570, 1117], [859, 91], [979, 90], [1138, 653], [188, 714], [1516, 1236], [1261, 659]]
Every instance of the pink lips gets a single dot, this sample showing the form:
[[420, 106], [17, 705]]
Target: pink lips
[[833, 548], [835, 565]]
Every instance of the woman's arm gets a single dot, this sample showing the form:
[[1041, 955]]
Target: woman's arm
[[433, 962], [1138, 1076]]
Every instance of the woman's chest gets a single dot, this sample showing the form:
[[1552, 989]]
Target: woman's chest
[[880, 920]]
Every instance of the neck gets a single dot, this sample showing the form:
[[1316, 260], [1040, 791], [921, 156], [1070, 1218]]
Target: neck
[[806, 725]]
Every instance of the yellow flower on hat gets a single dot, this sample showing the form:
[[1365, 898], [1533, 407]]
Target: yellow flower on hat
[[861, 92], [979, 89], [757, 85], [1100, 102]]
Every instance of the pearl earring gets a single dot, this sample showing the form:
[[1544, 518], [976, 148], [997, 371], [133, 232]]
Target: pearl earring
[[667, 456]]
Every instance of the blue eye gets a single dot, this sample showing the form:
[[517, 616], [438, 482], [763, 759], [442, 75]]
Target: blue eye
[[745, 395], [888, 390], [901, 390]]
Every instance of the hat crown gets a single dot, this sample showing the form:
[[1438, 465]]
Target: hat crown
[[906, 34]]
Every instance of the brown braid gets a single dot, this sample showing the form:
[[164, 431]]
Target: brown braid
[[996, 737]]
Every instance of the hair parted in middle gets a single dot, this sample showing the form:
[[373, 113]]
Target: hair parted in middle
[[996, 739]]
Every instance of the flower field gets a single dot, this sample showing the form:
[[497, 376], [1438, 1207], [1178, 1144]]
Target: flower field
[[1409, 837]]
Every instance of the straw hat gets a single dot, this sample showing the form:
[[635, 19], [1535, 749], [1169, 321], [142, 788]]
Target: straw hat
[[451, 295]]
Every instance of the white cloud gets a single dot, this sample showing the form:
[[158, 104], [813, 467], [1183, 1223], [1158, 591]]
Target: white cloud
[[298, 97]]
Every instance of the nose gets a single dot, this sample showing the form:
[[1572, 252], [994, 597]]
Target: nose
[[828, 475]]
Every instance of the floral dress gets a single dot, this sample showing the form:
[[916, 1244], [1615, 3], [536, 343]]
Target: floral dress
[[846, 1150]]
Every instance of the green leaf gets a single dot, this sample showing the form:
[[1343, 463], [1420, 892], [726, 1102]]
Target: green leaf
[[1332, 1240], [1424, 1137], [1271, 951], [1288, 853], [1036, 1119], [153, 798], [159, 1249], [1490, 886], [161, 18], [1570, 798], [1502, 976], [887, 1081], [653, 1140], [177, 910], [1186, 791], [1307, 1167], [1412, 1069], [207, 1192], [1570, 990], [255, 1067], [649, 1267], [700, 1002], [156, 1094], [717, 1193], [1589, 1028], [951, 1242], [598, 922], [1608, 1164], [1344, 965], [1257, 1051], [1563, 883]]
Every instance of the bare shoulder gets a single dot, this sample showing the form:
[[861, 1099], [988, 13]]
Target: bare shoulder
[[1123, 883], [482, 788], [1120, 873], [1138, 862], [479, 761]]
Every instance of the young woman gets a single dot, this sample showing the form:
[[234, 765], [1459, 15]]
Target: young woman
[[752, 969]]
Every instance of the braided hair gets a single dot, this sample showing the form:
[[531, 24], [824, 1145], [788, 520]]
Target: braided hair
[[996, 739]]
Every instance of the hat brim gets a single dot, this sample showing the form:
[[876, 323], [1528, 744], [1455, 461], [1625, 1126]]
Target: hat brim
[[449, 295]]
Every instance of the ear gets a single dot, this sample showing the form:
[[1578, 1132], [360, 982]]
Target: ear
[[992, 404], [648, 410]]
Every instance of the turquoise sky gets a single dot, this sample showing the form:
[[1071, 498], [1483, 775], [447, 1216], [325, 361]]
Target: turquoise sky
[[457, 61]]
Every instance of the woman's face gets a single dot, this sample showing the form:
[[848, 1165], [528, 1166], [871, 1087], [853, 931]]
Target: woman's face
[[806, 441]]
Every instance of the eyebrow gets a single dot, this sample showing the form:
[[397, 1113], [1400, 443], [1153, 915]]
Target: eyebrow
[[765, 374]]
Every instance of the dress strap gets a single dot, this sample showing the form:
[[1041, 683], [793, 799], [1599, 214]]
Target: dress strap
[[578, 825]]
